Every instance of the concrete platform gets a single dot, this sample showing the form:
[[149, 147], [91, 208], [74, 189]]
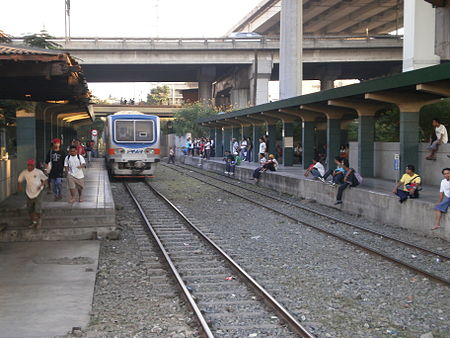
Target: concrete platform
[[61, 220], [373, 199], [46, 288]]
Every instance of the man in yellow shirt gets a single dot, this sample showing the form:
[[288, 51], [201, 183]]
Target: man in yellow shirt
[[411, 184]]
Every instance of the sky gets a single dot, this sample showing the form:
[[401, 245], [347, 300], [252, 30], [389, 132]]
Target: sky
[[132, 18]]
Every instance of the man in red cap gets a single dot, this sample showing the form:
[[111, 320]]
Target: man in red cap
[[35, 180], [55, 167]]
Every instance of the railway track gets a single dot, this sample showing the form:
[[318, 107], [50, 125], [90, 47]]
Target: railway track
[[226, 300], [394, 249]]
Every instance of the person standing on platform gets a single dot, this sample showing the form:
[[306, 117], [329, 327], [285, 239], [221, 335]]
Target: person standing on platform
[[55, 167], [249, 149], [207, 148], [80, 149], [73, 165], [411, 184], [171, 156], [262, 146], [441, 137], [35, 180], [443, 203]]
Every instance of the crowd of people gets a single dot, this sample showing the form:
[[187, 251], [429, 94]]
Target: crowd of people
[[59, 164]]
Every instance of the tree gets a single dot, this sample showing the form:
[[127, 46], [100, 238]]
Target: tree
[[4, 38], [185, 119], [159, 95], [41, 40]]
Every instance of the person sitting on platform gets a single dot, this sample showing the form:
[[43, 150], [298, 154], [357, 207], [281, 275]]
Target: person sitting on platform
[[316, 169], [443, 204], [441, 137], [411, 184], [337, 174], [262, 162], [349, 180], [230, 163]]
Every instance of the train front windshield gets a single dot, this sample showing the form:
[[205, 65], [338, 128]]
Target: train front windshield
[[134, 131]]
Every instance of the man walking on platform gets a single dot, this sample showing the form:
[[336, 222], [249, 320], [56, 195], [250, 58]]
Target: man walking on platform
[[55, 167], [35, 180], [73, 165]]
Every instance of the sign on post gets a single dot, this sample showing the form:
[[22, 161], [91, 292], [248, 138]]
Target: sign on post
[[397, 166], [94, 132]]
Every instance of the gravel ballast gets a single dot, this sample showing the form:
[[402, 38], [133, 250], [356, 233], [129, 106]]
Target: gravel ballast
[[335, 289]]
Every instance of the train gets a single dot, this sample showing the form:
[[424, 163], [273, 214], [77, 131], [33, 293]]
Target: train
[[132, 142]]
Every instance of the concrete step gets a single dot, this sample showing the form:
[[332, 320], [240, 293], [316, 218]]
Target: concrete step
[[64, 210], [64, 221], [23, 234]]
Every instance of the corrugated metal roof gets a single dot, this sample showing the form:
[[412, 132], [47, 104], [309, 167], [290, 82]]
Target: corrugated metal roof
[[14, 50]]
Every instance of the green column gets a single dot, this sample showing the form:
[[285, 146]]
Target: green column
[[409, 139], [308, 143], [258, 131], [344, 136], [366, 138], [288, 144], [227, 139], [26, 139], [212, 133], [41, 142], [219, 142], [272, 129], [333, 140]]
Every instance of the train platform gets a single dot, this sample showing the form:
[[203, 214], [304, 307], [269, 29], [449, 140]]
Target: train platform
[[372, 199], [94, 217]]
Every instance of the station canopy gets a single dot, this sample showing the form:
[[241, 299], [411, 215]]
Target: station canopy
[[43, 75]]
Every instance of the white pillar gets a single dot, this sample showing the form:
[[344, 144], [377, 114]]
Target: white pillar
[[260, 74], [418, 41], [291, 48], [239, 98]]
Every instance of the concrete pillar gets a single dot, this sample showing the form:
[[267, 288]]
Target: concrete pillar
[[26, 138], [366, 139], [291, 48], [260, 74], [308, 143], [442, 44], [333, 140], [326, 83], [206, 76], [219, 142], [409, 139], [419, 37], [272, 137], [227, 139], [288, 144], [239, 98], [258, 131]]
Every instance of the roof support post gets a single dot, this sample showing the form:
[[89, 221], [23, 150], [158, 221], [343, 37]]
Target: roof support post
[[258, 132], [308, 142], [227, 131], [26, 137], [409, 107], [288, 137], [218, 142]]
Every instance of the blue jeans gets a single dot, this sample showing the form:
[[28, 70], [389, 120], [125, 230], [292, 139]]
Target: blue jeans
[[56, 185], [315, 172], [443, 206]]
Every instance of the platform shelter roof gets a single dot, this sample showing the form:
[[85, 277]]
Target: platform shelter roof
[[425, 85]]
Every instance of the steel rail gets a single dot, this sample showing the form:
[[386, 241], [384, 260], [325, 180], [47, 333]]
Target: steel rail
[[343, 238], [337, 219], [293, 324], [204, 325]]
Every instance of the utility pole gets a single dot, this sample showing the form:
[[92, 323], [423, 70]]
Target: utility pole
[[67, 20]]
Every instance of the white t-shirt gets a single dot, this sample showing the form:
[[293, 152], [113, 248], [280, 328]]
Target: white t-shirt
[[262, 161], [33, 179], [320, 167], [441, 130], [73, 162], [243, 144], [235, 148], [207, 146], [445, 187], [262, 147]]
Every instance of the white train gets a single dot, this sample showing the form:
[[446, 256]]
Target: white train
[[132, 144]]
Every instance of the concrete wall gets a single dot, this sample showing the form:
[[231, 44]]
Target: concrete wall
[[8, 178], [384, 161], [381, 207]]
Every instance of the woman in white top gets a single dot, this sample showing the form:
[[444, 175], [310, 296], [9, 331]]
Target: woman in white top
[[262, 146]]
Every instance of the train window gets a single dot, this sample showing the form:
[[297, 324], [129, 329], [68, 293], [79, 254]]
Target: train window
[[125, 131], [144, 131]]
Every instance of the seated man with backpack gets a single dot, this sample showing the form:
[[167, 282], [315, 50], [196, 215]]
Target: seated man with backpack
[[351, 179], [411, 184]]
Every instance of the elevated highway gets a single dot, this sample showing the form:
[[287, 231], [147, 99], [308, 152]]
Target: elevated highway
[[164, 112]]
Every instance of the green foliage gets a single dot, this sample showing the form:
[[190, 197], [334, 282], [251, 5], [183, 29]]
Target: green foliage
[[387, 126], [159, 95], [84, 132], [41, 40], [185, 119]]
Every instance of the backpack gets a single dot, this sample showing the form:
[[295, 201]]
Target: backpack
[[68, 157], [358, 177]]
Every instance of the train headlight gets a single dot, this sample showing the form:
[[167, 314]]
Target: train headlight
[[120, 150], [149, 151], [116, 151]]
